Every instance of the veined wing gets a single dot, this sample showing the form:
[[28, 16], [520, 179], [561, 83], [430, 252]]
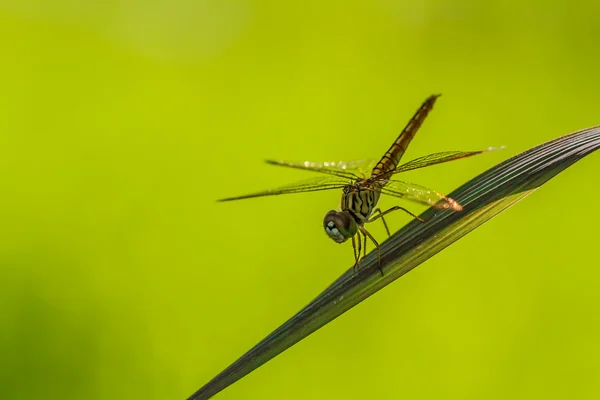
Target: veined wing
[[311, 185], [355, 169], [438, 158], [420, 194]]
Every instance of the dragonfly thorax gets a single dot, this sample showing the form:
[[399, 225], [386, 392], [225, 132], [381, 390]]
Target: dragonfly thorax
[[340, 225], [360, 199]]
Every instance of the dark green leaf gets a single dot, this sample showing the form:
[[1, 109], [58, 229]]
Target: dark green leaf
[[482, 198]]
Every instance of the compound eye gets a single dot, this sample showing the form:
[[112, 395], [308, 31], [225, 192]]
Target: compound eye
[[330, 222], [339, 220], [338, 225]]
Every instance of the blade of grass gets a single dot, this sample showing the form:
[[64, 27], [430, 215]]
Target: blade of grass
[[482, 198]]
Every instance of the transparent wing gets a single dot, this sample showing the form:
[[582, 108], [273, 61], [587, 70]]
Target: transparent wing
[[311, 185], [438, 158], [419, 194], [344, 169]]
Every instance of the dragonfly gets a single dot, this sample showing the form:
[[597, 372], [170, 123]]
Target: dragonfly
[[363, 183]]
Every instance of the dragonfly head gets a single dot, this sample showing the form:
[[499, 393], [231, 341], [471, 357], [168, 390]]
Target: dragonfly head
[[339, 225]]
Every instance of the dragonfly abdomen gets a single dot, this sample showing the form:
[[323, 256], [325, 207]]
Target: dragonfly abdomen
[[392, 157]]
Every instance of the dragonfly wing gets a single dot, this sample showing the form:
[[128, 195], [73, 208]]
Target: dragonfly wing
[[420, 194], [311, 185], [438, 158], [344, 169]]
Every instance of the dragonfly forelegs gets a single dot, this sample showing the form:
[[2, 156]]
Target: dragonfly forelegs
[[366, 233], [356, 253]]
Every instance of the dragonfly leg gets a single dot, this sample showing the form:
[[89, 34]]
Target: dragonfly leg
[[381, 214], [366, 233], [359, 250], [356, 255], [378, 210], [365, 246]]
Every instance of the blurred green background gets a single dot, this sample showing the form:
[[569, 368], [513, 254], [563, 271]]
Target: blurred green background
[[121, 122]]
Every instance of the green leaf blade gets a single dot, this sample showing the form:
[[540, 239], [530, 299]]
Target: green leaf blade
[[482, 198]]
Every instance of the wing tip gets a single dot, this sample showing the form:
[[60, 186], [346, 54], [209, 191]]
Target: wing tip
[[491, 149], [452, 204]]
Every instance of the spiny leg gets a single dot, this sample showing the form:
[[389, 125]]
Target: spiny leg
[[356, 255], [378, 210], [359, 250], [358, 243], [381, 214], [366, 233], [365, 246]]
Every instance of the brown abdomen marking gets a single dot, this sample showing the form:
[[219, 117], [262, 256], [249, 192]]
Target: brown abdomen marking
[[392, 157]]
